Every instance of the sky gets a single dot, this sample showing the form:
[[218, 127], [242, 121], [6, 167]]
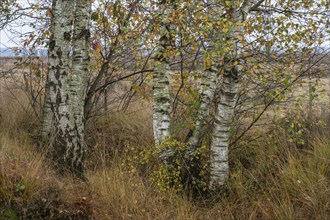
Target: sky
[[7, 38]]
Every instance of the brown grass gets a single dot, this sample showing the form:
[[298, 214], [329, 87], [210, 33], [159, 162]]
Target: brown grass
[[271, 178]]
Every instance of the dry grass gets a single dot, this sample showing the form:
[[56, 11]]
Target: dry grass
[[121, 195], [111, 136], [270, 179]]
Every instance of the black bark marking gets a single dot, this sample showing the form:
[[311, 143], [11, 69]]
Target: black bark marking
[[67, 36]]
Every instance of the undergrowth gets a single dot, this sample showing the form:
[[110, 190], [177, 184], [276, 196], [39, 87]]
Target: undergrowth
[[271, 178]]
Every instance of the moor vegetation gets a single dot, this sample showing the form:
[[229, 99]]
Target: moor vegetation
[[272, 177], [169, 109]]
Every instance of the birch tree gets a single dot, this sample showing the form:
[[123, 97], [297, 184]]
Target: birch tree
[[59, 49], [208, 83], [47, 116], [66, 90], [161, 94], [219, 167], [79, 77]]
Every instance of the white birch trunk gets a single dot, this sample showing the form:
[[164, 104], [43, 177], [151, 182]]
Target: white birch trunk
[[78, 80], [64, 137], [47, 116], [161, 102], [161, 94], [219, 167], [161, 107], [207, 91]]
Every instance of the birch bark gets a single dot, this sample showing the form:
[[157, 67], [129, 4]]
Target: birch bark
[[78, 80], [219, 167], [161, 94], [207, 92], [47, 116], [63, 139], [161, 102]]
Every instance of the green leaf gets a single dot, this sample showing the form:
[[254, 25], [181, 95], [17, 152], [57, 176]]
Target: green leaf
[[20, 187], [95, 16]]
